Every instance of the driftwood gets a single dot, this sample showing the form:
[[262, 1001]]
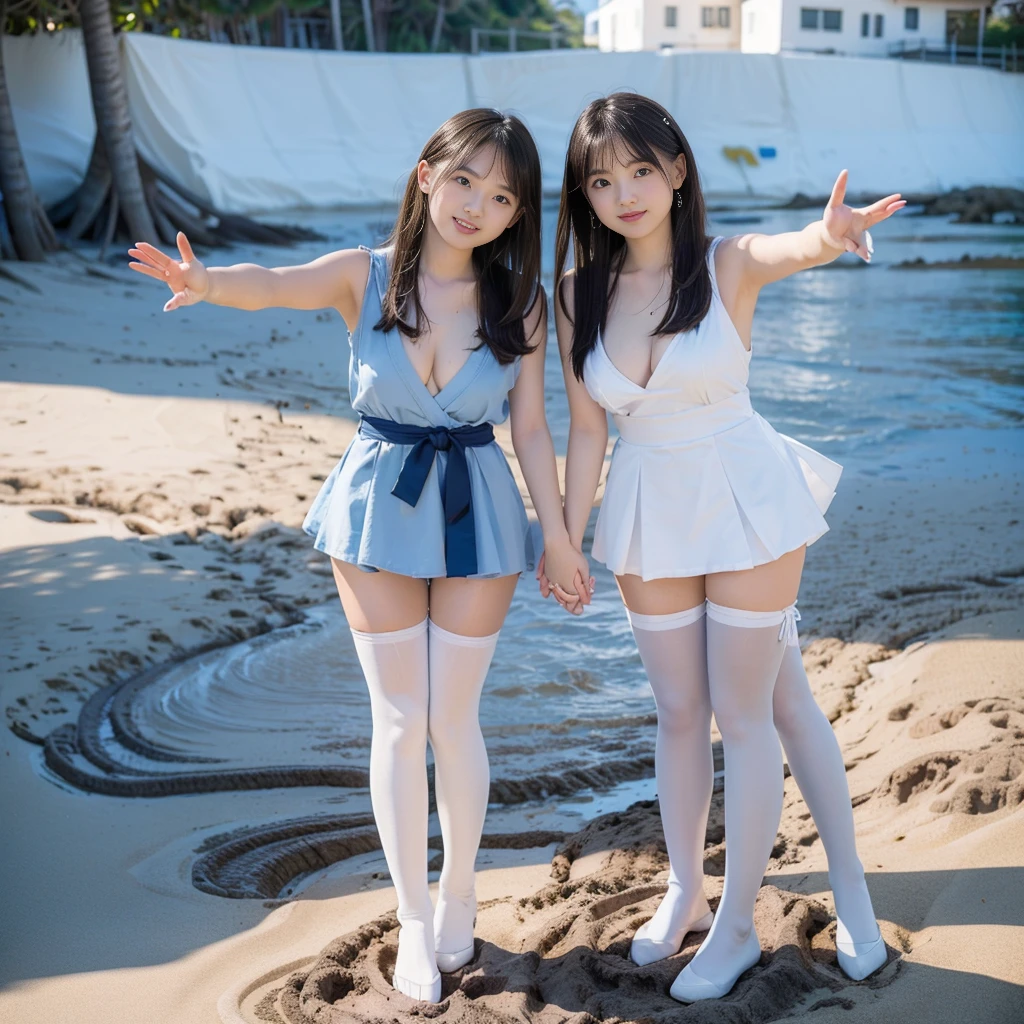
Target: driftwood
[[94, 212]]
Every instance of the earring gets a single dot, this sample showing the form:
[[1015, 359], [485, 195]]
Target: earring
[[679, 199], [593, 221]]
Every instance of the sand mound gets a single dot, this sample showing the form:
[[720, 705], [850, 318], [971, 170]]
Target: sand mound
[[562, 954]]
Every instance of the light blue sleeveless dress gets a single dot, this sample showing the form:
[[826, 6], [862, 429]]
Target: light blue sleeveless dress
[[356, 518]]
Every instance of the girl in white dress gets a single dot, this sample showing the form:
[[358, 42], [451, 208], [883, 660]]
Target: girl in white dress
[[706, 516]]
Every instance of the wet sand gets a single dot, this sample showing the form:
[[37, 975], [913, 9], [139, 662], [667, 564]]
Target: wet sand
[[153, 481]]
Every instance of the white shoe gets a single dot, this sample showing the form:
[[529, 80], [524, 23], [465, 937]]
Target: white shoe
[[454, 921], [859, 959], [428, 993], [690, 987], [644, 950], [416, 957]]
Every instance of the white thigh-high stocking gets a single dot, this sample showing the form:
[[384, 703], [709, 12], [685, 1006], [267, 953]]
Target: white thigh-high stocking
[[673, 649], [745, 651], [458, 667], [817, 766], [395, 667]]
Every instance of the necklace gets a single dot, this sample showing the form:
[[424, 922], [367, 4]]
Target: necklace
[[649, 304]]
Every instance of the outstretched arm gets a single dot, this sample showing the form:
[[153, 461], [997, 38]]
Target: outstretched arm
[[531, 439], [336, 280], [744, 264], [766, 258]]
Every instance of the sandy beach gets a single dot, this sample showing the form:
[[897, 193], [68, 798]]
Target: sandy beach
[[154, 472]]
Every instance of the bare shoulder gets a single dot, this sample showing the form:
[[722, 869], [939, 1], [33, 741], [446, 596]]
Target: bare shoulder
[[352, 264], [733, 266], [351, 269]]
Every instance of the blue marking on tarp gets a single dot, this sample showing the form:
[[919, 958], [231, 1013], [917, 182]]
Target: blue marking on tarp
[[766, 152]]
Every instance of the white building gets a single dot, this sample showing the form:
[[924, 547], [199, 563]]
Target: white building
[[857, 27], [866, 27], [656, 25]]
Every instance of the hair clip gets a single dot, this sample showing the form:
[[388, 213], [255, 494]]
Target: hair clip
[[667, 121]]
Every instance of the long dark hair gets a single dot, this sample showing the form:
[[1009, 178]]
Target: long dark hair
[[620, 124], [508, 268]]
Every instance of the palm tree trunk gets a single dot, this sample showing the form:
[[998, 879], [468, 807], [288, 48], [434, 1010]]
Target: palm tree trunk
[[368, 23], [113, 121], [435, 39], [381, 12], [336, 34], [19, 200]]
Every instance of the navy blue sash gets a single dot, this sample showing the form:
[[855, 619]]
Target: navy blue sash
[[457, 498]]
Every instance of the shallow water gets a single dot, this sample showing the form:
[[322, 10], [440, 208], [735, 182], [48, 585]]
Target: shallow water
[[901, 373], [885, 370]]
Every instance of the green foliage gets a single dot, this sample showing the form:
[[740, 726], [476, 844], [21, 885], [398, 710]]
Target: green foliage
[[408, 24], [1004, 32]]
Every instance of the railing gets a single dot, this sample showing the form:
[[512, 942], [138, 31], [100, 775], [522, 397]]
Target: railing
[[305, 33], [1005, 58], [480, 37]]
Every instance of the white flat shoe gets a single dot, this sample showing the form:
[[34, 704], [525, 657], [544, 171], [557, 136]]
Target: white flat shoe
[[690, 987], [454, 910], [428, 993], [859, 959], [644, 950]]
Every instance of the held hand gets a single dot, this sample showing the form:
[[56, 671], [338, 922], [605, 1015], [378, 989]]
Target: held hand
[[846, 227], [577, 594], [188, 280]]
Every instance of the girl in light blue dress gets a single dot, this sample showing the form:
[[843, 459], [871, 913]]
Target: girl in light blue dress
[[422, 517]]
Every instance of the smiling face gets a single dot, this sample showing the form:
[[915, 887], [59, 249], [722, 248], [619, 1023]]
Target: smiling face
[[471, 203], [633, 197]]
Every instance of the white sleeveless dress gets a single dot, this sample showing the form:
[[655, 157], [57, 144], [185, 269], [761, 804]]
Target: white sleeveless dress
[[699, 482]]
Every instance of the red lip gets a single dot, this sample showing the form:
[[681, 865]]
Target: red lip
[[464, 230], [630, 218]]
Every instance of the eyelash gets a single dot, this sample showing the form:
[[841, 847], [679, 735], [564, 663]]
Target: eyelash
[[462, 178], [597, 181]]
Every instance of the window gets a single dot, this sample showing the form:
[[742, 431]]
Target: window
[[809, 17], [832, 21], [723, 17], [879, 25], [670, 16], [911, 18], [707, 17], [865, 24], [750, 21]]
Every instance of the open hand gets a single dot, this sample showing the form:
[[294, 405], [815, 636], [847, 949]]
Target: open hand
[[847, 227], [188, 280]]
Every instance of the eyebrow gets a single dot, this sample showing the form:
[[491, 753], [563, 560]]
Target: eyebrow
[[601, 170], [476, 174]]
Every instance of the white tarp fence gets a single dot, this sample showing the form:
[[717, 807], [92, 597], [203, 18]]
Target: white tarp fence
[[49, 87], [254, 129]]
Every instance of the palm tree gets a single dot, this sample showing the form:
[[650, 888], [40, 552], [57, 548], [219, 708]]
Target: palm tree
[[152, 206], [31, 233], [114, 158], [368, 24]]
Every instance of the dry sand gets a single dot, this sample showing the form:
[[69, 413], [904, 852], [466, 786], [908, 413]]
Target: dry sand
[[153, 479]]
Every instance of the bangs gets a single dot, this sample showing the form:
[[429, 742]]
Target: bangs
[[611, 149], [511, 161]]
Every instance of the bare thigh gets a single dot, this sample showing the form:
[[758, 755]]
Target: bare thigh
[[471, 607], [765, 588], [379, 602], [661, 597]]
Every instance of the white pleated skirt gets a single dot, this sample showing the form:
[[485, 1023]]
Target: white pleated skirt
[[732, 495]]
